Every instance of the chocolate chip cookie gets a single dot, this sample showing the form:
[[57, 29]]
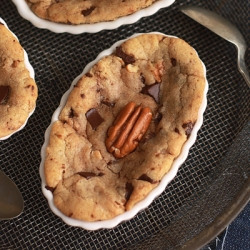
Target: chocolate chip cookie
[[85, 12], [18, 91], [124, 123]]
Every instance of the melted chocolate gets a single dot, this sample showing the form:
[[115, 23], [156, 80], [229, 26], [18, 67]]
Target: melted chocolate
[[89, 175], [144, 177], [128, 59], [88, 74], [173, 62], [108, 103], [88, 11], [4, 94], [158, 117], [152, 90], [188, 128], [50, 188], [94, 118], [142, 78], [147, 137], [71, 114], [129, 190], [176, 130]]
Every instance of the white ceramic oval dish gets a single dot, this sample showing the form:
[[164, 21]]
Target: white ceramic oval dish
[[154, 193], [32, 75], [26, 13]]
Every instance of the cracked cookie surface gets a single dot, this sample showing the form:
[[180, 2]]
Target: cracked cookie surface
[[84, 12], [18, 91], [162, 73]]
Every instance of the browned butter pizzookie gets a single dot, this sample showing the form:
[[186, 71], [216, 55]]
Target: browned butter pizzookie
[[91, 11], [18, 91], [124, 123]]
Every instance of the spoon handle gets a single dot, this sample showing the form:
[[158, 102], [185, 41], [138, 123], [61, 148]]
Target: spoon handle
[[242, 67]]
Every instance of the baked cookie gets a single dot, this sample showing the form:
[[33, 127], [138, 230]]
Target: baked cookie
[[18, 91], [85, 12], [124, 123]]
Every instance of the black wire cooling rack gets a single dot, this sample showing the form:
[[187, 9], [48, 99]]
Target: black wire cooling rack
[[207, 184]]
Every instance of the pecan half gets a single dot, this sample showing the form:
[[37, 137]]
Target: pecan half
[[128, 129]]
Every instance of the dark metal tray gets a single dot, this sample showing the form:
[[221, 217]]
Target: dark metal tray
[[211, 187]]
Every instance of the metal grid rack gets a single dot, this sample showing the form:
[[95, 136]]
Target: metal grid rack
[[207, 183]]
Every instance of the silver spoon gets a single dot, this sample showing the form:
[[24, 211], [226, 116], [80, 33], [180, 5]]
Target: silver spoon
[[224, 29], [11, 200]]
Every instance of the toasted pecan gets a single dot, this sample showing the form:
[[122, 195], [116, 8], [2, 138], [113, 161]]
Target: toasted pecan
[[128, 129]]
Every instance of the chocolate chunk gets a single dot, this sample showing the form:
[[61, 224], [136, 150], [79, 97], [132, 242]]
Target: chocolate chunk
[[71, 114], [88, 11], [144, 177], [147, 137], [89, 175], [142, 78], [158, 117], [129, 190], [188, 128], [176, 130], [50, 188], [100, 174], [108, 103], [94, 118], [4, 94], [152, 90], [173, 62], [128, 59], [30, 86], [88, 74]]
